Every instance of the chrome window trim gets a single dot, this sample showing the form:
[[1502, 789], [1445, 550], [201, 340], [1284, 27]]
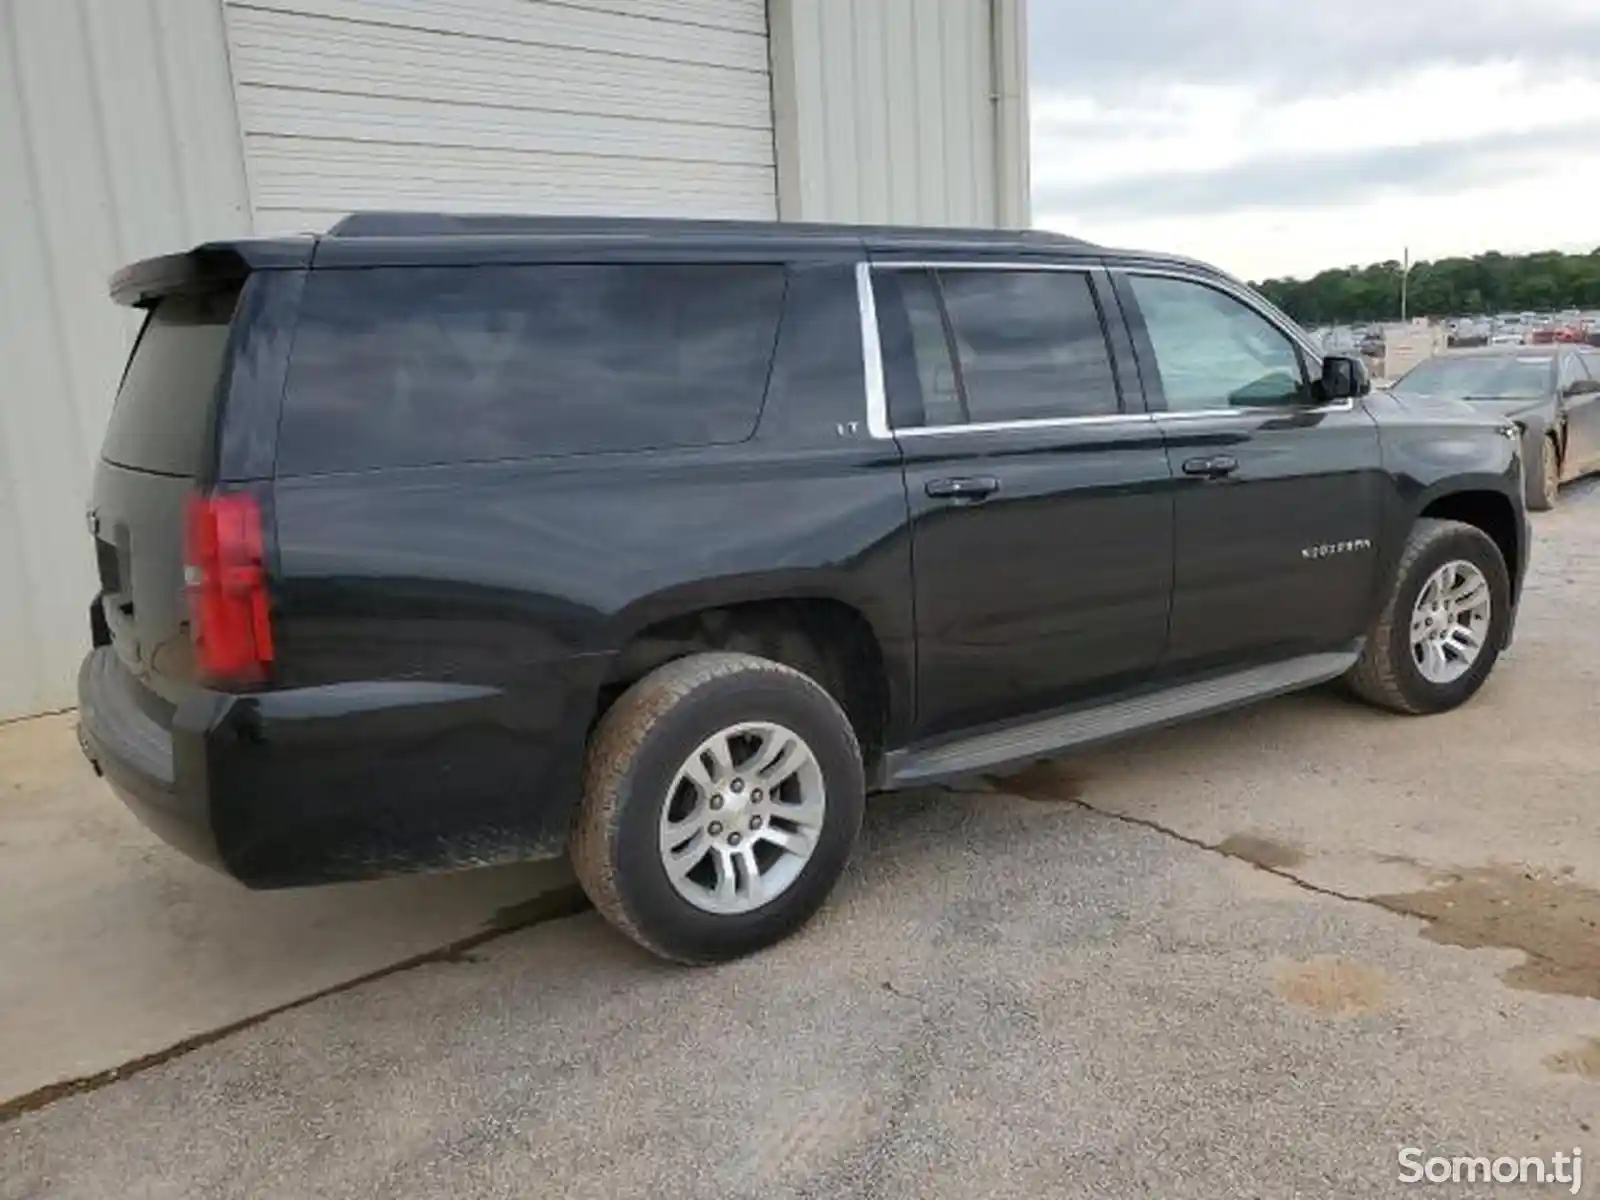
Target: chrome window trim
[[872, 350], [1256, 412], [872, 355], [974, 264], [1034, 423], [1268, 314]]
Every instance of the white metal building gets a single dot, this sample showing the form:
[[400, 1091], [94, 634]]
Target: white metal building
[[137, 127]]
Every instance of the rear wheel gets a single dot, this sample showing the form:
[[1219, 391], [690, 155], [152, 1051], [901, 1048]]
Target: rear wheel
[[723, 796], [1441, 630], [1548, 483]]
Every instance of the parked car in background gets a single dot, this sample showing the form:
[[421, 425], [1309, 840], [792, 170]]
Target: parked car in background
[[1468, 333], [665, 542], [1550, 391], [1338, 340]]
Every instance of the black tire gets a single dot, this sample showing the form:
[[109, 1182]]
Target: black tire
[[1387, 675], [1545, 486], [633, 757]]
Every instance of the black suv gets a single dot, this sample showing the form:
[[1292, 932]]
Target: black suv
[[436, 542]]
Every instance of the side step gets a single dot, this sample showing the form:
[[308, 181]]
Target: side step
[[1041, 737]]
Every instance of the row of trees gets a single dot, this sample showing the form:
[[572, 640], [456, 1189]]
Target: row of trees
[[1486, 283]]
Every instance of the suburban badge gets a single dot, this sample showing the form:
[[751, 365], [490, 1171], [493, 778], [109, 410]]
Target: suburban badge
[[1328, 549]]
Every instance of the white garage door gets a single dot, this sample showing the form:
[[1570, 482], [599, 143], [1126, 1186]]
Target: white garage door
[[633, 107]]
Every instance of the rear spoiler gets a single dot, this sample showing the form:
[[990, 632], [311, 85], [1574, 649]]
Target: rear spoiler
[[206, 268]]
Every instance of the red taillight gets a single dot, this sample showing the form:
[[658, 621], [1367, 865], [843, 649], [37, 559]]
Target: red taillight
[[225, 576]]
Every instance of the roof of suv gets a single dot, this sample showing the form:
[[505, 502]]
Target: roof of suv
[[414, 238], [418, 239], [456, 225]]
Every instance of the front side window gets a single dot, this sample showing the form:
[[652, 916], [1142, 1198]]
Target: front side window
[[1214, 352], [995, 346], [415, 366]]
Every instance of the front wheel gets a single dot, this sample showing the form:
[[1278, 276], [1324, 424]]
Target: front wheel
[[723, 795], [1443, 625]]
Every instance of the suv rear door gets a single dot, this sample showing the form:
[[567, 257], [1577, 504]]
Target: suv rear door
[[1278, 493], [1039, 491], [158, 444]]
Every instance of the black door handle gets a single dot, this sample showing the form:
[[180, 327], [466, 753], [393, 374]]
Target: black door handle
[[967, 490], [1218, 466]]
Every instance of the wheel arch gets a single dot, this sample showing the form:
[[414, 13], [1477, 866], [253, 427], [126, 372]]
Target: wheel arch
[[1489, 510], [855, 654]]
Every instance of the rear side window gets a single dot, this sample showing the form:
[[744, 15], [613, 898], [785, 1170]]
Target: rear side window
[[995, 346], [397, 366], [161, 420]]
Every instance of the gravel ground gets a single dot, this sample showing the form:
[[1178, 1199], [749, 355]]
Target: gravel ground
[[1254, 957]]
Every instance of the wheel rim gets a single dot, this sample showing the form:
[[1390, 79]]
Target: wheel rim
[[1552, 470], [1450, 622], [742, 817]]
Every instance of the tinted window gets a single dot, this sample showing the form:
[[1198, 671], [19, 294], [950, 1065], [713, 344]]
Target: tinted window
[[1029, 345], [161, 420], [918, 372], [413, 366], [1212, 351]]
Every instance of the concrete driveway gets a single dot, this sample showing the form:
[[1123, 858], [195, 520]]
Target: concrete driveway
[[113, 947], [1255, 956]]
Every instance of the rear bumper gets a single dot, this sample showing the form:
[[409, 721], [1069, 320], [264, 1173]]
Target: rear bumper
[[346, 781], [137, 754]]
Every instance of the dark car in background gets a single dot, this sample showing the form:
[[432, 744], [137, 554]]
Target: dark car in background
[[1552, 392]]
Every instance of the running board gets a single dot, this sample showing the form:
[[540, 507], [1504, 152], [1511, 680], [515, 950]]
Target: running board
[[1040, 738]]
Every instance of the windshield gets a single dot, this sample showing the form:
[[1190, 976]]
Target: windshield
[[1491, 377]]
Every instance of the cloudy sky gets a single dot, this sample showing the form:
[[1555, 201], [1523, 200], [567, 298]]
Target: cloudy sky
[[1278, 137]]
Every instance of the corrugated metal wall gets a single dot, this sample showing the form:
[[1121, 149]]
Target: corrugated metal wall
[[117, 140], [637, 107], [120, 137], [890, 111]]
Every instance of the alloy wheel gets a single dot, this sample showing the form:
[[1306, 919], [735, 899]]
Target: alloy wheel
[[742, 817], [1450, 622]]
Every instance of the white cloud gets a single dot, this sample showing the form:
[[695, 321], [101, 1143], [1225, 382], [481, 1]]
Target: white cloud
[[1444, 154]]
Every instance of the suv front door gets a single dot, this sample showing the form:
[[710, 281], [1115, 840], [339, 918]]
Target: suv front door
[[1279, 493], [1039, 492]]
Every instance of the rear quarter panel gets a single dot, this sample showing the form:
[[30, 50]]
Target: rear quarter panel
[[519, 581]]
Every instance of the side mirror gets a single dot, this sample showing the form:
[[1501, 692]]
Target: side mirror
[[1582, 387], [1344, 378]]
